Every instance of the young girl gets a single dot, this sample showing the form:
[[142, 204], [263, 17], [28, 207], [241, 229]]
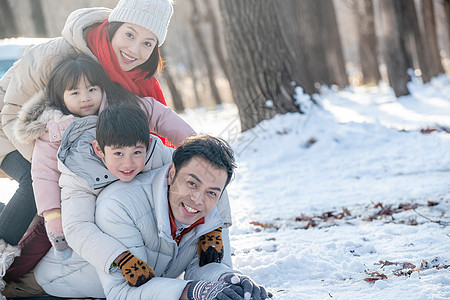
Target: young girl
[[78, 87]]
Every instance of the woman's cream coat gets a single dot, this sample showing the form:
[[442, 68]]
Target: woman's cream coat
[[30, 74]]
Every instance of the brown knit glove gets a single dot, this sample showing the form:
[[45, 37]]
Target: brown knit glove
[[135, 271], [210, 247]]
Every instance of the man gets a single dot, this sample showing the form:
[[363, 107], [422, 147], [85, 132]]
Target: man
[[160, 216]]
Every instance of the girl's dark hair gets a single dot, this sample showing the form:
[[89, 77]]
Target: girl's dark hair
[[214, 150], [67, 74], [155, 62], [122, 125]]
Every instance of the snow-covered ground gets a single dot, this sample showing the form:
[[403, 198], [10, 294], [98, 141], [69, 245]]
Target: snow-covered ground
[[348, 201], [350, 173]]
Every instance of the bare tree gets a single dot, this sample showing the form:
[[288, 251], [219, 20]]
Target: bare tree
[[259, 41], [216, 35], [176, 97], [309, 29], [38, 18], [7, 22], [412, 38], [446, 4], [430, 38], [331, 42], [392, 48], [196, 27], [367, 43]]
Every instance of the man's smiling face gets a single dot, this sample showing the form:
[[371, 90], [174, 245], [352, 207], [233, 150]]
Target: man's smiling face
[[195, 189]]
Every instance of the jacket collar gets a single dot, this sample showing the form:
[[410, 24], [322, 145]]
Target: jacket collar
[[77, 154]]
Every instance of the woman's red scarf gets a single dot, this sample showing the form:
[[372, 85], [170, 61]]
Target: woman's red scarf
[[98, 42]]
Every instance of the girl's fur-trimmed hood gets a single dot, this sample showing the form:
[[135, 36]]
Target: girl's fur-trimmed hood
[[34, 116]]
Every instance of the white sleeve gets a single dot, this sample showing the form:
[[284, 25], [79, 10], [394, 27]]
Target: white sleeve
[[80, 230]]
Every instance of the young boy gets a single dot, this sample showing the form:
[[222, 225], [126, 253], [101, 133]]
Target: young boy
[[96, 151], [123, 149]]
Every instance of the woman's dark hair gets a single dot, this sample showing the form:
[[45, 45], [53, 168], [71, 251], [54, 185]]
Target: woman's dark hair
[[214, 150], [155, 62]]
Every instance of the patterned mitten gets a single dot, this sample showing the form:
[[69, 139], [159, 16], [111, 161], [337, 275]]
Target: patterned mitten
[[251, 290], [208, 290], [135, 271], [53, 226], [210, 247]]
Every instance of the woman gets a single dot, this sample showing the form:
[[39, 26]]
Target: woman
[[125, 41]]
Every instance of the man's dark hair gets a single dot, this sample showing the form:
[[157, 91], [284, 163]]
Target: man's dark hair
[[214, 150], [122, 125]]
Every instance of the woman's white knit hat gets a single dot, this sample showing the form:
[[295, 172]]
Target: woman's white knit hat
[[153, 15]]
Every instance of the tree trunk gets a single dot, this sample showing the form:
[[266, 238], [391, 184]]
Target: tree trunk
[[430, 38], [310, 27], [176, 97], [216, 34], [294, 33], [8, 26], [191, 68], [411, 32], [196, 24], [402, 11], [38, 18], [262, 63], [393, 49], [446, 4], [367, 44], [332, 44]]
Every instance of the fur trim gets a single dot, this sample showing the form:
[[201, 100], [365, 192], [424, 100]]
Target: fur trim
[[5, 247], [33, 118]]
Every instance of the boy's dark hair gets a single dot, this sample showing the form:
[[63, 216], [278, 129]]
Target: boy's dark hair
[[67, 74], [122, 125], [154, 63], [214, 150]]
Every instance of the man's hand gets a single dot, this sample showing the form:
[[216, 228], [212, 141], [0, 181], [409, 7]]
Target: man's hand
[[135, 271], [250, 288], [209, 290]]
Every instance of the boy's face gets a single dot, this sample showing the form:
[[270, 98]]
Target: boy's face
[[124, 162], [195, 189]]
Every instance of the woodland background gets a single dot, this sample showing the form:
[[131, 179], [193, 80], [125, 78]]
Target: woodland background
[[257, 52]]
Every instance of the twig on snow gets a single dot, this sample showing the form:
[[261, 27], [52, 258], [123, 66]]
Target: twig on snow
[[432, 221]]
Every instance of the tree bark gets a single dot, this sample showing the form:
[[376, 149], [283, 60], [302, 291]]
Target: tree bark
[[195, 23], [7, 22], [446, 4], [310, 28], [190, 66], [331, 42], [430, 38], [38, 18], [262, 61], [402, 11], [216, 34], [367, 44], [176, 97], [393, 50], [413, 37]]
